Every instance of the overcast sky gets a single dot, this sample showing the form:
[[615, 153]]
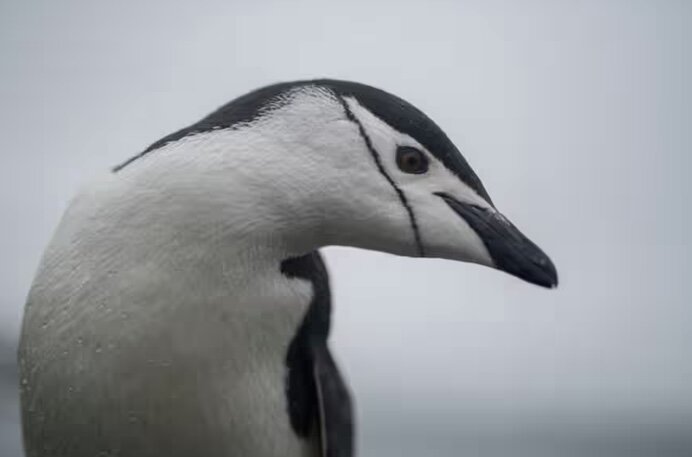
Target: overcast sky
[[576, 115]]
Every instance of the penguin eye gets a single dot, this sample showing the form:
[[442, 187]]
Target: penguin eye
[[411, 160]]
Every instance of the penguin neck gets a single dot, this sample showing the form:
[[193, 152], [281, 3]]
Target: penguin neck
[[190, 199], [150, 285], [186, 244], [263, 188]]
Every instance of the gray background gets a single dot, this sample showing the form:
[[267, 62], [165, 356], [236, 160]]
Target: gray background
[[575, 114]]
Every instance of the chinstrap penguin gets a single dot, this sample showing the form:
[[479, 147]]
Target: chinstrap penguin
[[182, 307]]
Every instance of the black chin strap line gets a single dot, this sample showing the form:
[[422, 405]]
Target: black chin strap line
[[378, 162]]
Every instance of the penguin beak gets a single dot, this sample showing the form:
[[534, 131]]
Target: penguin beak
[[509, 249]]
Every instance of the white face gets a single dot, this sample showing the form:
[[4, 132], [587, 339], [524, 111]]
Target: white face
[[441, 232]]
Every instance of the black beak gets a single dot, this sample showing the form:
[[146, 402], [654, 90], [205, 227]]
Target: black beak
[[510, 250]]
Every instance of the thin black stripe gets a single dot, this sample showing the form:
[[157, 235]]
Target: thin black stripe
[[380, 167]]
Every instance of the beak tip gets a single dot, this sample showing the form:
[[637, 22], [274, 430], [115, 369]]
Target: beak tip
[[552, 283], [544, 274], [535, 269]]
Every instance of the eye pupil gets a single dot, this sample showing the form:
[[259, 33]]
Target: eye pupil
[[411, 160]]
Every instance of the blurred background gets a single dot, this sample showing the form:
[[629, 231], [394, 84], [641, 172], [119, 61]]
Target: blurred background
[[576, 115]]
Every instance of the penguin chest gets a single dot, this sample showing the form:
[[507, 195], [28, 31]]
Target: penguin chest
[[188, 373], [248, 387], [239, 381]]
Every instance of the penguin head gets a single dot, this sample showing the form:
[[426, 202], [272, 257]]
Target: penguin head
[[363, 168], [428, 201]]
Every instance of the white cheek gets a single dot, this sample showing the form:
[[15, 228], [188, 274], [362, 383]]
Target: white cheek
[[443, 233]]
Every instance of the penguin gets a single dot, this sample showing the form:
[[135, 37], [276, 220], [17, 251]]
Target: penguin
[[182, 307]]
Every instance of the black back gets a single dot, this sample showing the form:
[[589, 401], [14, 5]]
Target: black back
[[319, 403]]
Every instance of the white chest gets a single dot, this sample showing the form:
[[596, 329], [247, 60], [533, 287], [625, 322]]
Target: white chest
[[117, 355]]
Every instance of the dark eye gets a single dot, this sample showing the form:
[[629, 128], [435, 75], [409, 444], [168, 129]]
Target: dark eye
[[411, 160]]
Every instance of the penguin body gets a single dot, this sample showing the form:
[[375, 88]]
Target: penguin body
[[182, 307]]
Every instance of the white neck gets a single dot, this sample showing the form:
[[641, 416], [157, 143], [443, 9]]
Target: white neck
[[164, 280]]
